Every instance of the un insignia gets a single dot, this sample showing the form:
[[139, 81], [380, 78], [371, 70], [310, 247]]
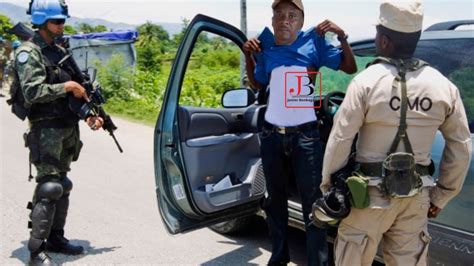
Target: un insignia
[[22, 57]]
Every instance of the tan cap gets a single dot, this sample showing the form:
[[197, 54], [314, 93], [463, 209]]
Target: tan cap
[[401, 16], [297, 3]]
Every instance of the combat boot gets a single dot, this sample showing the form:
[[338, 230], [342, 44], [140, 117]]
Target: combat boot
[[37, 255], [58, 243], [40, 258]]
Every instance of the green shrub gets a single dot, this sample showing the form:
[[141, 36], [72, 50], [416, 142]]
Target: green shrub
[[116, 78], [204, 86], [138, 110]]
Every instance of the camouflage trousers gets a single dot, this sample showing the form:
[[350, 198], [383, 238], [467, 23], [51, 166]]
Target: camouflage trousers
[[53, 149]]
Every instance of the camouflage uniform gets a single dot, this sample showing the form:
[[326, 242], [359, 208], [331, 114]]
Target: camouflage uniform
[[53, 138], [53, 125]]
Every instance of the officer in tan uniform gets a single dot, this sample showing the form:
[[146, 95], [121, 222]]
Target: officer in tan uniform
[[375, 110]]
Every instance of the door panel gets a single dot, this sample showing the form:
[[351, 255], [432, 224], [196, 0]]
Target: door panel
[[207, 159], [216, 143]]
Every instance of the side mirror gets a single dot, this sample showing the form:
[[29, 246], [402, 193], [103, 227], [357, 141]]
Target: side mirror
[[236, 98], [92, 73]]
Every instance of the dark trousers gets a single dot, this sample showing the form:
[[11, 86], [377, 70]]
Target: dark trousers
[[299, 154]]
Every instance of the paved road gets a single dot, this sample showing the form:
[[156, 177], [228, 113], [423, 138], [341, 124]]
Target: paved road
[[113, 211]]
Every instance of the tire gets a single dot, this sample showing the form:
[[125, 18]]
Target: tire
[[233, 226]]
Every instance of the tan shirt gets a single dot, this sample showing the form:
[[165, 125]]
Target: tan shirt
[[372, 108]]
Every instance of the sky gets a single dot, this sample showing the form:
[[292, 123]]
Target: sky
[[356, 17]]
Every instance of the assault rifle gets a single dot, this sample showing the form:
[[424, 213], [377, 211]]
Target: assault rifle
[[83, 108]]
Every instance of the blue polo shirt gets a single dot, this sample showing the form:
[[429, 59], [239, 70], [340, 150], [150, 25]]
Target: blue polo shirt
[[308, 50]]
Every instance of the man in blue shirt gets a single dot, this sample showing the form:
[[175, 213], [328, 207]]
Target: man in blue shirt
[[290, 139]]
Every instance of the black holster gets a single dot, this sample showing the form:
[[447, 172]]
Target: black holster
[[32, 142]]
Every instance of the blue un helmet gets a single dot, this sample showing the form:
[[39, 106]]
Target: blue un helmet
[[42, 10], [16, 44]]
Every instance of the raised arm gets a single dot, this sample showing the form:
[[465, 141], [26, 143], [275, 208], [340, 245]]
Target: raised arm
[[348, 64], [250, 47]]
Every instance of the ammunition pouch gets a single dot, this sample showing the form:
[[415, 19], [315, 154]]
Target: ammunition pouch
[[399, 176]]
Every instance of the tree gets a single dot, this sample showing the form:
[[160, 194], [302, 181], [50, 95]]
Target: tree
[[149, 57], [68, 29], [201, 41], [5, 26], [100, 28], [149, 32], [177, 38], [85, 28], [218, 42], [152, 43]]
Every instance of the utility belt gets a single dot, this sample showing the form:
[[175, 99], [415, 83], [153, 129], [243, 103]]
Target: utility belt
[[54, 123], [290, 130], [375, 169], [401, 176]]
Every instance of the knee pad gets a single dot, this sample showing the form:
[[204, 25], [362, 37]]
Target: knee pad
[[50, 191], [66, 183]]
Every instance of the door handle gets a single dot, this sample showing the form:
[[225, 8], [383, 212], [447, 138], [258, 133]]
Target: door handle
[[171, 145], [238, 116]]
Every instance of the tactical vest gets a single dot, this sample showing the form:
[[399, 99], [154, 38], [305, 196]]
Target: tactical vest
[[56, 110]]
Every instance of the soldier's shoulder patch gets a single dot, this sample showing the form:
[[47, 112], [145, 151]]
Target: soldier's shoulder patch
[[22, 57]]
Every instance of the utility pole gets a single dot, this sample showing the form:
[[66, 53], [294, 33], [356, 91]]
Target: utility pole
[[243, 28]]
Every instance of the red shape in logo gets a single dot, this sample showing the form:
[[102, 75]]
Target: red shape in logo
[[310, 94]]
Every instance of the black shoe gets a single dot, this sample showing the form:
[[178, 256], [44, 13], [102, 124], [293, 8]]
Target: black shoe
[[58, 243], [40, 258], [280, 263]]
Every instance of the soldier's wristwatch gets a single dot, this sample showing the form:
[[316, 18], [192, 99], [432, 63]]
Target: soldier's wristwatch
[[343, 37]]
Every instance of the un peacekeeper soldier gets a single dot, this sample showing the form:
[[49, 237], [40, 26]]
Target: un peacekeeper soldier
[[53, 138], [373, 107]]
